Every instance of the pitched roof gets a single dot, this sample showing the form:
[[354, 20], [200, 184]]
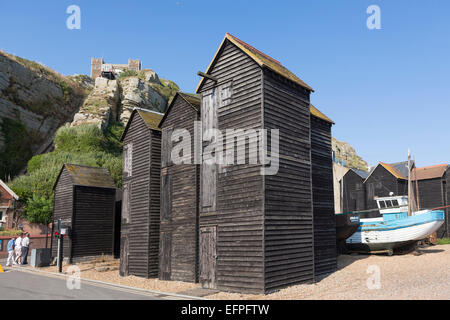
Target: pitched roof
[[316, 112], [12, 193], [260, 58], [363, 174], [88, 176], [396, 170], [430, 172], [192, 99], [150, 117]]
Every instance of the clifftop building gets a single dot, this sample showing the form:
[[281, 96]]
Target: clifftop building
[[97, 65]]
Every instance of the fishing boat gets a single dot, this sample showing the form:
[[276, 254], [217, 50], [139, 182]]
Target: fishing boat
[[396, 227], [346, 225]]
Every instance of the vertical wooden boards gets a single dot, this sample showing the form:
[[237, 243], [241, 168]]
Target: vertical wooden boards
[[288, 232], [93, 218], [165, 256], [325, 251], [208, 256]]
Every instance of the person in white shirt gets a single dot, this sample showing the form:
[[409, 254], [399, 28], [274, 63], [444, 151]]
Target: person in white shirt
[[18, 249], [25, 247]]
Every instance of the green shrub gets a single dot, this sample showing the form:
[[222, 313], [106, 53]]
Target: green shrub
[[17, 148], [443, 241], [82, 145], [127, 73]]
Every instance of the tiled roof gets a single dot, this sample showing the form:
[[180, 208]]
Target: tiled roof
[[260, 58], [398, 170], [430, 172]]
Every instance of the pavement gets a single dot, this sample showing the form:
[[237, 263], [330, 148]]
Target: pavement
[[19, 285]]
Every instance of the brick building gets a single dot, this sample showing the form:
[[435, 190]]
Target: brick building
[[7, 200]]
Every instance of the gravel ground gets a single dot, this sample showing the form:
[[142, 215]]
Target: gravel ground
[[411, 276]]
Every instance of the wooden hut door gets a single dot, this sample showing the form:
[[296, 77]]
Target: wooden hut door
[[124, 254], [208, 170], [208, 257], [165, 255]]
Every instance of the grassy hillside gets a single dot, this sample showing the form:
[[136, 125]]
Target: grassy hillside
[[84, 145]]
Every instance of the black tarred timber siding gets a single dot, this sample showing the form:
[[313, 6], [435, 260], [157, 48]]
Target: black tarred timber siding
[[354, 194], [141, 232], [433, 194], [89, 213], [179, 207], [444, 232], [288, 218], [93, 218], [264, 223], [63, 209], [325, 251], [239, 214], [380, 183]]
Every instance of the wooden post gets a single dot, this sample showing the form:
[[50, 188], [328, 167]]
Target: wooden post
[[409, 182]]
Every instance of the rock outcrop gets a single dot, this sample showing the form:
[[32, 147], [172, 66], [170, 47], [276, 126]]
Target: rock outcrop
[[101, 104], [347, 156], [139, 93], [36, 99]]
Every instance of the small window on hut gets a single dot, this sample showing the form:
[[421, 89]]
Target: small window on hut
[[226, 93], [127, 159], [395, 203], [166, 196], [382, 204], [166, 147], [126, 204]]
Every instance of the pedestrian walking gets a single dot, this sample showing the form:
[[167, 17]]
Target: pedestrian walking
[[25, 247], [10, 249], [18, 249]]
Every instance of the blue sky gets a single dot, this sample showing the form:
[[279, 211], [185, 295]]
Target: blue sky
[[387, 90]]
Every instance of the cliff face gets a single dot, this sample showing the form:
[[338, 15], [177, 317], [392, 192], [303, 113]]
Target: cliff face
[[34, 102], [348, 156]]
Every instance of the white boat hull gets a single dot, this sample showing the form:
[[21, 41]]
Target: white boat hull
[[390, 239]]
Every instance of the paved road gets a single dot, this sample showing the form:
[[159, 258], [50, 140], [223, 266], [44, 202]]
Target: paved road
[[18, 285]]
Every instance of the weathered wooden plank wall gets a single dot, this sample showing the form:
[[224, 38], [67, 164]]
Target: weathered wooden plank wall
[[238, 214], [92, 227], [179, 198], [63, 209], [325, 251], [140, 229], [288, 231], [380, 183], [353, 195]]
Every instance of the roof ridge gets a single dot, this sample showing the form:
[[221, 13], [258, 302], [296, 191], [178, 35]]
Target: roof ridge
[[253, 48], [433, 166]]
